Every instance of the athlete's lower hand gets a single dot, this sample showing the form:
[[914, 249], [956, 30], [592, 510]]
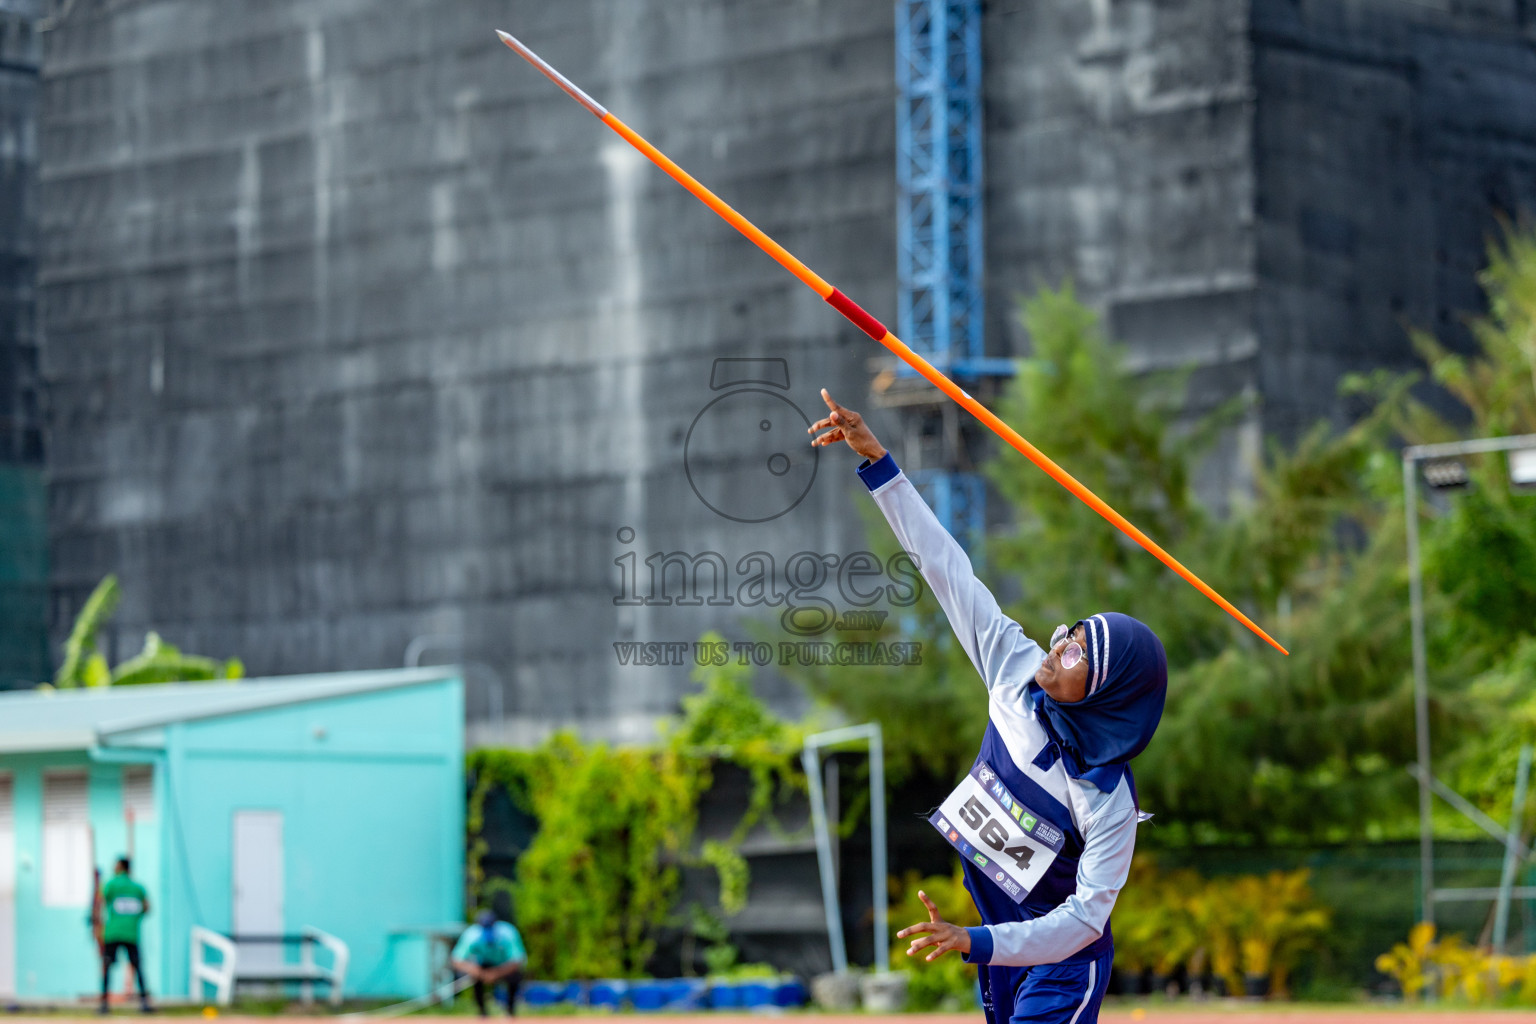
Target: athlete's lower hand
[[936, 932], [846, 425]]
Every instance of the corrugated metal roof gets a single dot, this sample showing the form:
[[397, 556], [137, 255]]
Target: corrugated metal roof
[[38, 720]]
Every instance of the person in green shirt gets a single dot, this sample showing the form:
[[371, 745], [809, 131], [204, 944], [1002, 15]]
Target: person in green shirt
[[490, 953], [124, 904]]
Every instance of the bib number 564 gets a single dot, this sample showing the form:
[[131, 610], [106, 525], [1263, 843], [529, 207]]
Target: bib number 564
[[992, 832]]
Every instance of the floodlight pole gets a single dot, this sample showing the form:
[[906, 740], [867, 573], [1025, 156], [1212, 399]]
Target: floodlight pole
[[1412, 456], [1420, 690]]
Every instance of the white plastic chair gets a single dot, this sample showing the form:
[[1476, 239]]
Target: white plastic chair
[[335, 975], [220, 975]]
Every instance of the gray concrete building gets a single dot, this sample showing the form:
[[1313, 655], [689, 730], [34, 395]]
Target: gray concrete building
[[364, 343], [23, 527], [20, 434]]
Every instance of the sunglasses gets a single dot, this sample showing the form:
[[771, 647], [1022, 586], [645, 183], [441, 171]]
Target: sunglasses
[[1073, 652]]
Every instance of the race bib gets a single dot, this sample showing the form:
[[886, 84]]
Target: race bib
[[993, 830], [127, 906]]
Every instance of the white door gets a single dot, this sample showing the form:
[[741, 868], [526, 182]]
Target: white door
[[7, 890], [258, 884], [68, 846]]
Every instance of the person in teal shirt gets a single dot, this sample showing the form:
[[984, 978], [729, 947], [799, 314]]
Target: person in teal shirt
[[490, 952], [124, 904]]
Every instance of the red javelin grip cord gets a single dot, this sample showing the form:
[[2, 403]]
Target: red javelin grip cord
[[855, 312]]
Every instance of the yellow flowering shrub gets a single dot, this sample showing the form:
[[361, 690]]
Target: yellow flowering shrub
[[1429, 968]]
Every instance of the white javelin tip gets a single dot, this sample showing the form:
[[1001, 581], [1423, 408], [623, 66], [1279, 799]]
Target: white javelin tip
[[554, 76]]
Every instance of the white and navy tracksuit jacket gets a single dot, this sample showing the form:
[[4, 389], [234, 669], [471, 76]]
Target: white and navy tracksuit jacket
[[1049, 958]]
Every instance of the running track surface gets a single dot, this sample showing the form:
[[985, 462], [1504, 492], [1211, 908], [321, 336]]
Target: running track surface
[[1209, 1014]]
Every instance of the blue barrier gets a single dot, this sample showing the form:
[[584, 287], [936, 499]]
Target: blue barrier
[[757, 994], [725, 996], [687, 994], [607, 994], [791, 992], [648, 995], [551, 993], [669, 994]]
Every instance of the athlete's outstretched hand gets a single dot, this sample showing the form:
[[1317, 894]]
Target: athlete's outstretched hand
[[939, 933], [846, 425]]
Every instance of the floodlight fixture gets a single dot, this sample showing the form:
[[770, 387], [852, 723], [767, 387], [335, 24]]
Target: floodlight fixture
[[1446, 474], [1522, 468]]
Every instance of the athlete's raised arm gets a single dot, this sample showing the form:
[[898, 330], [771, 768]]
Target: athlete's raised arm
[[995, 643]]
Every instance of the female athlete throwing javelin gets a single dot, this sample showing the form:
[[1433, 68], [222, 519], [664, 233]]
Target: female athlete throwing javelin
[[1046, 818]]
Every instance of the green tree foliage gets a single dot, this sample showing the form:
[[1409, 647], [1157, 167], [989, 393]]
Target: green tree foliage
[[1480, 544], [1113, 431], [83, 665], [1497, 383], [599, 878], [726, 720], [1484, 769], [599, 882], [158, 662]]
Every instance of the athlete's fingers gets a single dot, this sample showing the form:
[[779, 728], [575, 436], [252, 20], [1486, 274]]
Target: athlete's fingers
[[845, 419], [933, 911], [923, 943], [949, 943], [831, 436], [939, 952], [915, 929], [826, 396]]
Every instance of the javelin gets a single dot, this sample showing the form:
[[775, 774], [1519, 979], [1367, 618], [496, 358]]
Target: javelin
[[876, 330]]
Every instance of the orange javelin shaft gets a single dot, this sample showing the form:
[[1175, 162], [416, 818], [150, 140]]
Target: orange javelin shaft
[[878, 331]]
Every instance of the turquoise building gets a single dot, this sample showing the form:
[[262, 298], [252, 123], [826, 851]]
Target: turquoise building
[[257, 807]]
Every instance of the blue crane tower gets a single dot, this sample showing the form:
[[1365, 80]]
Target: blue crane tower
[[940, 257]]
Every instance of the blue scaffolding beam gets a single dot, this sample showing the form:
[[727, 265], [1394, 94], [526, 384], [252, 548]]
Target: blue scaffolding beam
[[940, 304], [940, 257], [959, 502]]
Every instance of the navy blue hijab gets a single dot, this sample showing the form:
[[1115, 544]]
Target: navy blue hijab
[[1127, 685]]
